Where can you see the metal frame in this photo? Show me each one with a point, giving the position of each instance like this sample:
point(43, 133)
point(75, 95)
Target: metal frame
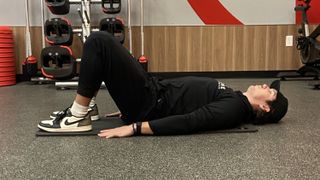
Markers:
point(142, 26)
point(129, 25)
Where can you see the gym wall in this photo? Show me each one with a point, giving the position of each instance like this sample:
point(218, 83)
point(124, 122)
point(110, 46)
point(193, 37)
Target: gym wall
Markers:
point(180, 39)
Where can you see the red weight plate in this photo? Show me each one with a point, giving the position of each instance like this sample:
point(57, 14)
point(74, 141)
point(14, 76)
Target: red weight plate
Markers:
point(6, 60)
point(7, 83)
point(6, 50)
point(7, 64)
point(5, 74)
point(6, 36)
point(6, 55)
point(6, 45)
point(6, 41)
point(3, 60)
point(7, 33)
point(5, 28)
point(8, 78)
point(8, 69)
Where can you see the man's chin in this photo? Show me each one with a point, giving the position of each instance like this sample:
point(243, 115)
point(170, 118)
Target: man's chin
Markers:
point(250, 88)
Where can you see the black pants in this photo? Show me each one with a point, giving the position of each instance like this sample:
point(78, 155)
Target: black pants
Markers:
point(105, 60)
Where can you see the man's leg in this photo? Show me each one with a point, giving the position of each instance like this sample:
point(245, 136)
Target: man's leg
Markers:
point(105, 59)
point(89, 84)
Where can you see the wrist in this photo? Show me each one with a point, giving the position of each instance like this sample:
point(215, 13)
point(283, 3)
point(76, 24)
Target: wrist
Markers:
point(138, 124)
point(136, 128)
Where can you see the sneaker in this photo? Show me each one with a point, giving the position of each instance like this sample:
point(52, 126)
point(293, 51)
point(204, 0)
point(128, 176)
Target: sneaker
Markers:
point(66, 122)
point(94, 114)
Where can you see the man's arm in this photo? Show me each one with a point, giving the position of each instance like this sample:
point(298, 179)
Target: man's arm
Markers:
point(125, 131)
point(216, 115)
point(145, 128)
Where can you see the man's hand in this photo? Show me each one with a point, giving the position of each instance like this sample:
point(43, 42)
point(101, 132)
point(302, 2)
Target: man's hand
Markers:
point(114, 114)
point(123, 131)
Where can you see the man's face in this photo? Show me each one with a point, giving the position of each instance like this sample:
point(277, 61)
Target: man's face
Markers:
point(262, 93)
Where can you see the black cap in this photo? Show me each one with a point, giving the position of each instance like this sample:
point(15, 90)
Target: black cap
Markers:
point(278, 109)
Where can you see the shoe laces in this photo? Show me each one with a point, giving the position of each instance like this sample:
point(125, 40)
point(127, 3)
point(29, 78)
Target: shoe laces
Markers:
point(61, 115)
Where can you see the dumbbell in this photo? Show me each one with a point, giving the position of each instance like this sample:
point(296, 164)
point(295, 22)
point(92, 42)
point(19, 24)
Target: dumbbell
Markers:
point(114, 26)
point(58, 31)
point(58, 7)
point(111, 6)
point(57, 62)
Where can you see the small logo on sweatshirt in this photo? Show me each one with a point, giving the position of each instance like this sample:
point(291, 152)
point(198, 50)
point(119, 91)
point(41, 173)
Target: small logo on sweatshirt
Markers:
point(221, 85)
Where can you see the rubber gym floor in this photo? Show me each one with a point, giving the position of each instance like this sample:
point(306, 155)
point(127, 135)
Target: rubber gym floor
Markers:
point(288, 150)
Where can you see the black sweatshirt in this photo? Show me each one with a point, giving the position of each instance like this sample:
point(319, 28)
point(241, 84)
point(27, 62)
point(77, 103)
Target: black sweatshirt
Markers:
point(192, 104)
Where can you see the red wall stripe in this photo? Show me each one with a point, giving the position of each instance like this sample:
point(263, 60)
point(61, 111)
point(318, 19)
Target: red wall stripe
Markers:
point(213, 12)
point(313, 12)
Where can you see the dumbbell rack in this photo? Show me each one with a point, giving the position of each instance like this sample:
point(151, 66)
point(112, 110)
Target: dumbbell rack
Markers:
point(84, 32)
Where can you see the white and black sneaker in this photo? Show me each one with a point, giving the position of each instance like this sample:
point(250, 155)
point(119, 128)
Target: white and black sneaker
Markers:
point(94, 113)
point(66, 122)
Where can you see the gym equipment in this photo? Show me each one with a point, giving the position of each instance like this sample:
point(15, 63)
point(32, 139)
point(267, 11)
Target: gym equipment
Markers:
point(58, 7)
point(5, 37)
point(3, 45)
point(84, 11)
point(307, 42)
point(57, 62)
point(5, 41)
point(6, 50)
point(113, 122)
point(111, 6)
point(143, 62)
point(7, 60)
point(129, 25)
point(29, 65)
point(142, 59)
point(114, 26)
point(307, 45)
point(6, 55)
point(58, 31)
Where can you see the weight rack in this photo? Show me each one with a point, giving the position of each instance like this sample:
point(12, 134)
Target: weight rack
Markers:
point(84, 13)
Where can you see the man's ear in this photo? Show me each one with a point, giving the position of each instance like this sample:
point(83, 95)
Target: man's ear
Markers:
point(264, 107)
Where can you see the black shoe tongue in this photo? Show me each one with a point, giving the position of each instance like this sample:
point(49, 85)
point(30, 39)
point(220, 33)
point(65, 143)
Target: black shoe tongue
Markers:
point(62, 114)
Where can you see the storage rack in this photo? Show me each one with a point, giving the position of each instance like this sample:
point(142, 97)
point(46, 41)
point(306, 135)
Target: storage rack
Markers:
point(84, 13)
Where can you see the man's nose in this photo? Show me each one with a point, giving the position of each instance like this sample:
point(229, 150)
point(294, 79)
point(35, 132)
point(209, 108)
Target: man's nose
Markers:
point(265, 86)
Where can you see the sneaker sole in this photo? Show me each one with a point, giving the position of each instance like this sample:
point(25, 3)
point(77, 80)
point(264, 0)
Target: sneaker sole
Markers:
point(93, 118)
point(76, 129)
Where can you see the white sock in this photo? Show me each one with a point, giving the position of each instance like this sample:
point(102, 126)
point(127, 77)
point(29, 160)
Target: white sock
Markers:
point(78, 110)
point(92, 102)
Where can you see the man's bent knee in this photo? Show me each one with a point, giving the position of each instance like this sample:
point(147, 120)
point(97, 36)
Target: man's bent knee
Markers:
point(101, 35)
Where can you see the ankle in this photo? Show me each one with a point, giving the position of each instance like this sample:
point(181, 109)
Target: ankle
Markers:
point(78, 109)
